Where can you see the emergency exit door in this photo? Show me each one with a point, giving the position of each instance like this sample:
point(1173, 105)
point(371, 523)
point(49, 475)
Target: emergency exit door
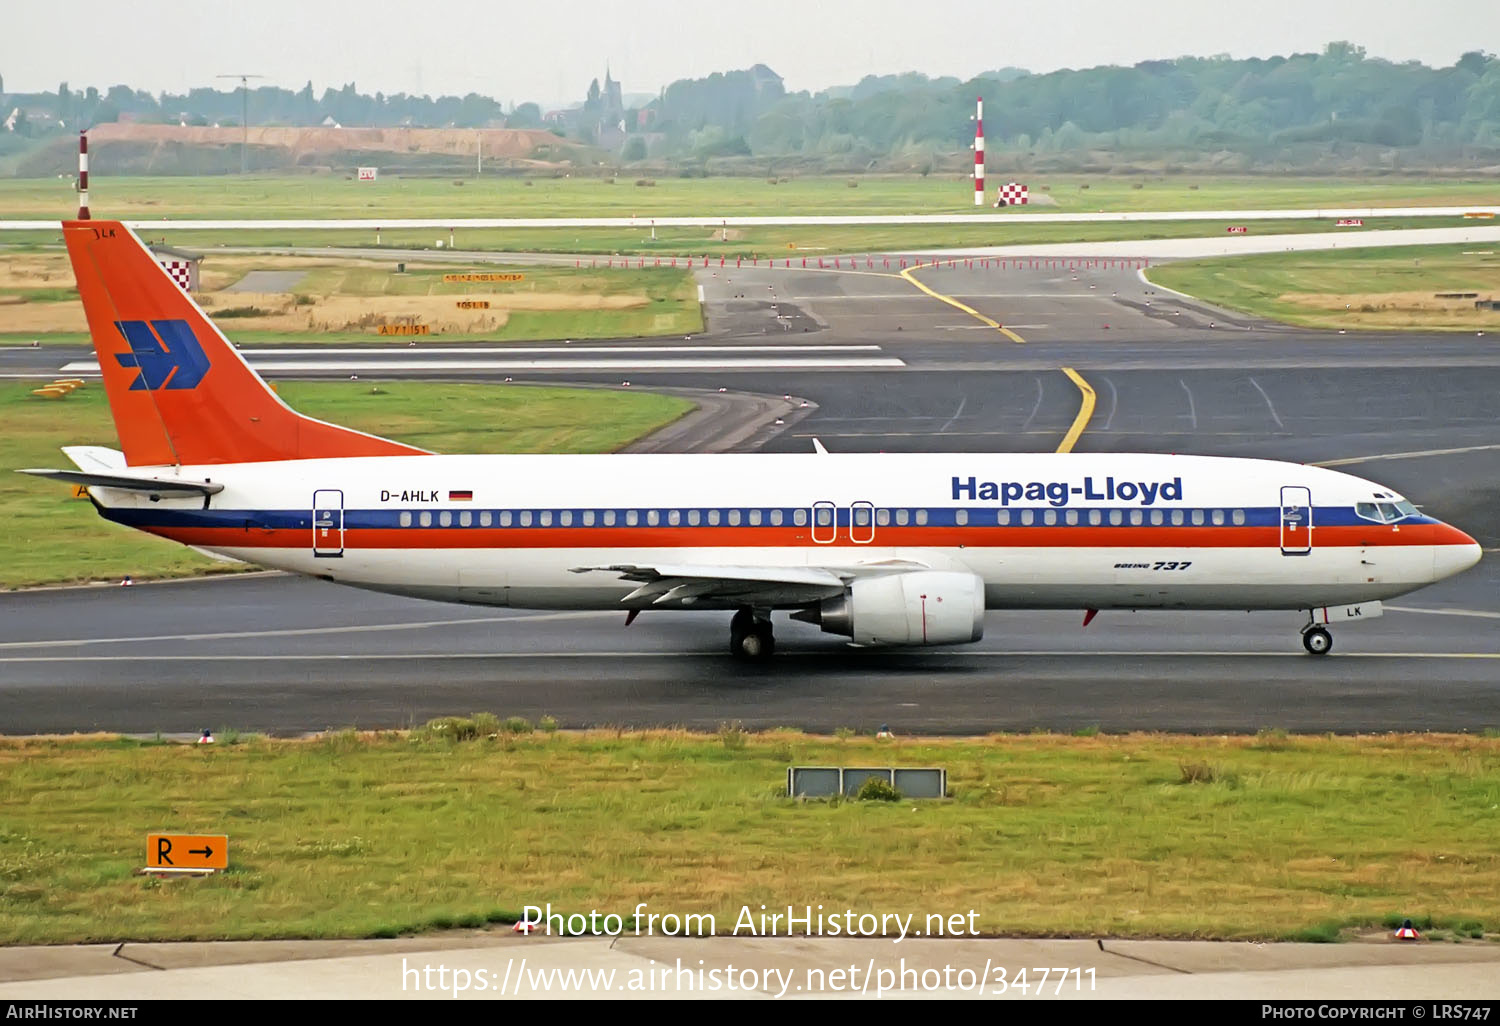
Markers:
point(1296, 520)
point(328, 523)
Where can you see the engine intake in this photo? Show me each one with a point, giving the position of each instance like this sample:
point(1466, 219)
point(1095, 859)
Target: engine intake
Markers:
point(923, 607)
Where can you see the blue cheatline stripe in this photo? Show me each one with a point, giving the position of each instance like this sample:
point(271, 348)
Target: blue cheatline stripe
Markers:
point(941, 516)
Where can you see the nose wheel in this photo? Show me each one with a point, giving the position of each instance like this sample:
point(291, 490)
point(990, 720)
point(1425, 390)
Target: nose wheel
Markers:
point(750, 637)
point(1317, 640)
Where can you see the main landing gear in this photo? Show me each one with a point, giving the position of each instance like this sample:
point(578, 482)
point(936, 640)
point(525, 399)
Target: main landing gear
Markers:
point(1316, 639)
point(750, 636)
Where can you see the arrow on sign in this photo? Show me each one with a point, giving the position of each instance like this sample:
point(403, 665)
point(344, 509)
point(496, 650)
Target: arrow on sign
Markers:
point(205, 851)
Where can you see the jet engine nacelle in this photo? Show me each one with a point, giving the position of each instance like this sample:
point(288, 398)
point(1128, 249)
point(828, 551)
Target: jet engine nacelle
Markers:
point(923, 607)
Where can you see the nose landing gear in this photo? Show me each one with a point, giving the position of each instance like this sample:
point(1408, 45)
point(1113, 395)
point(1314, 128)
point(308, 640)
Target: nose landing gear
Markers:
point(750, 636)
point(1316, 640)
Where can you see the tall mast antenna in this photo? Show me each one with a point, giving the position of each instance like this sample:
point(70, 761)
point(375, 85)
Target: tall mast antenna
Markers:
point(244, 117)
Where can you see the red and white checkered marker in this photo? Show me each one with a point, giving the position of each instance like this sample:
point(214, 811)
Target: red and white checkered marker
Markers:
point(181, 272)
point(524, 927)
point(1407, 932)
point(1014, 194)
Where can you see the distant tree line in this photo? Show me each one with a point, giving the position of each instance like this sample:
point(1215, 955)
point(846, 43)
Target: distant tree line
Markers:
point(1256, 107)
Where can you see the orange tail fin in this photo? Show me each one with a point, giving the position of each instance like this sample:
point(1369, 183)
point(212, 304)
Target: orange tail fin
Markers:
point(179, 392)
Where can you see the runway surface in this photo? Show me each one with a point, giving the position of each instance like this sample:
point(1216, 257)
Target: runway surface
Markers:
point(1170, 374)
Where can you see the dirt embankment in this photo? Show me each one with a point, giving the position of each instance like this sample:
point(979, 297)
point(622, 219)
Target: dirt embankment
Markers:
point(494, 142)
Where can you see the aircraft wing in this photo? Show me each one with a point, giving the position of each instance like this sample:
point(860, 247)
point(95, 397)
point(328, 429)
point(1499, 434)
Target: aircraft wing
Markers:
point(682, 585)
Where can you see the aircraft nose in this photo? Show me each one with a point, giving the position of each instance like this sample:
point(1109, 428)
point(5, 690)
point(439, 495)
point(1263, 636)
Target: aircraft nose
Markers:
point(1454, 553)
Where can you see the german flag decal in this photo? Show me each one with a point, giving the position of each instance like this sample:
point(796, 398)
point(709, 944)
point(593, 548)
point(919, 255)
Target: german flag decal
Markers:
point(461, 496)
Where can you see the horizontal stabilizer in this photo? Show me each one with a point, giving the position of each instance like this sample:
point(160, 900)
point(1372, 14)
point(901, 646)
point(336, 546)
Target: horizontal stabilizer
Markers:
point(173, 486)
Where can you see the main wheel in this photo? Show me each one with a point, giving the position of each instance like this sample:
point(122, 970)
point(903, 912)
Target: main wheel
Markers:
point(1317, 640)
point(750, 638)
point(740, 627)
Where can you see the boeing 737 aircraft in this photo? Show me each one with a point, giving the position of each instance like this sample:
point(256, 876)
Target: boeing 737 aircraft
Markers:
point(886, 549)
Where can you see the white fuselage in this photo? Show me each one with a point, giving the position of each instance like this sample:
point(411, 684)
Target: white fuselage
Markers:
point(1041, 530)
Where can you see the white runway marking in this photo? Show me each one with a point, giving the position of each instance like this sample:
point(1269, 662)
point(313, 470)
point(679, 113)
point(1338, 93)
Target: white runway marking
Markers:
point(716, 651)
point(623, 364)
point(295, 631)
point(1269, 406)
point(1404, 455)
point(1114, 404)
point(1486, 614)
point(1034, 408)
point(962, 402)
point(560, 348)
point(1192, 406)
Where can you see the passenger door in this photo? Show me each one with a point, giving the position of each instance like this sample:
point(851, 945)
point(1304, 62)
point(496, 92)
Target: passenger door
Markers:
point(328, 523)
point(1296, 520)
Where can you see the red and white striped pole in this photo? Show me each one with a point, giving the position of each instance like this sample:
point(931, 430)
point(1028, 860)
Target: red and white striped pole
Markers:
point(83, 176)
point(979, 152)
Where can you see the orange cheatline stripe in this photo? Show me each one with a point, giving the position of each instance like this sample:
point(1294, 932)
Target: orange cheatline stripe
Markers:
point(980, 537)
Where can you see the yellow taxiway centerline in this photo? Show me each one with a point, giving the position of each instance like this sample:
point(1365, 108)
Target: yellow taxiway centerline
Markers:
point(907, 274)
point(1085, 411)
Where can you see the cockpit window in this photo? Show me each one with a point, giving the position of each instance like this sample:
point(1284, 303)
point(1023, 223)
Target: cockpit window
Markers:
point(1385, 512)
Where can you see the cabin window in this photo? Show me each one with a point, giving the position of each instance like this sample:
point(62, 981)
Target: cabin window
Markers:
point(883, 518)
point(425, 519)
point(607, 518)
point(525, 518)
point(1096, 517)
point(694, 517)
point(1003, 518)
point(862, 516)
point(588, 518)
point(823, 515)
point(1197, 518)
point(674, 517)
point(1177, 518)
point(1157, 518)
point(632, 517)
point(1071, 517)
point(465, 519)
point(734, 518)
point(405, 519)
point(1116, 517)
point(1027, 516)
point(544, 518)
point(485, 518)
point(799, 517)
point(755, 518)
point(652, 518)
point(960, 517)
point(505, 518)
point(1049, 517)
point(1218, 518)
point(903, 517)
point(777, 516)
point(921, 517)
point(713, 518)
point(1238, 516)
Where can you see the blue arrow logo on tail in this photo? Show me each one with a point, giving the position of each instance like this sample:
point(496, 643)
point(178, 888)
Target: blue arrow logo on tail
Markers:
point(170, 348)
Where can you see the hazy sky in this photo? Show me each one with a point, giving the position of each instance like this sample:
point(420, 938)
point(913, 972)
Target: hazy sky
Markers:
point(548, 51)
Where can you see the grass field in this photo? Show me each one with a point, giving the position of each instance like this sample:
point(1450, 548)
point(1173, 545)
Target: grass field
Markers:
point(340, 300)
point(1367, 289)
point(332, 195)
point(355, 835)
point(56, 539)
point(780, 241)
